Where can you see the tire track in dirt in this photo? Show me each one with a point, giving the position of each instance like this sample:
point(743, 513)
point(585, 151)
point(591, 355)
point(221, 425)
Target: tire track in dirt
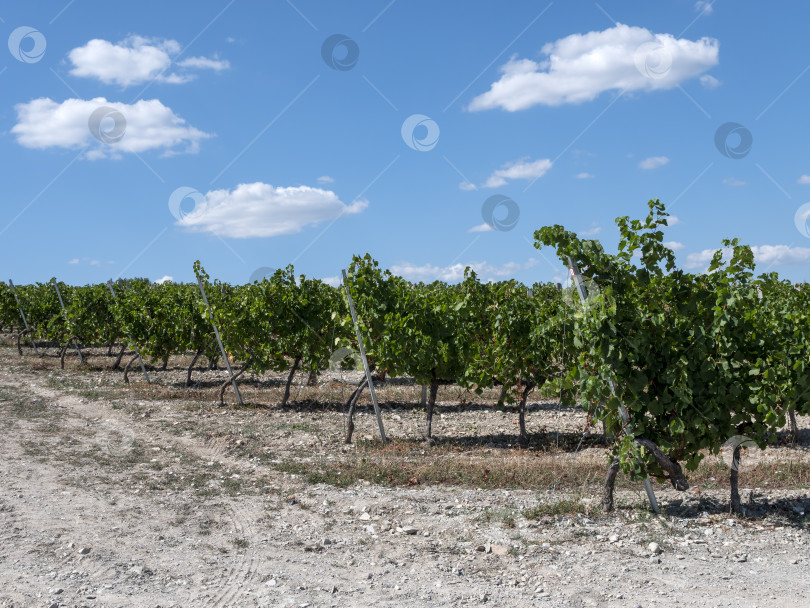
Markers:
point(116, 433)
point(8, 524)
point(40, 527)
point(243, 569)
point(216, 447)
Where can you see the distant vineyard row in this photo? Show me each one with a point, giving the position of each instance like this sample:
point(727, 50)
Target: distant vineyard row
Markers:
point(674, 363)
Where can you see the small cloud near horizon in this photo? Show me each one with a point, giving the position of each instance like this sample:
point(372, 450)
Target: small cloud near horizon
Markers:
point(653, 162)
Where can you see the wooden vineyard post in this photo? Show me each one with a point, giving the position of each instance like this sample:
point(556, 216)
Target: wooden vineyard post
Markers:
point(22, 314)
point(137, 352)
point(359, 335)
point(64, 310)
point(424, 395)
point(221, 347)
point(583, 296)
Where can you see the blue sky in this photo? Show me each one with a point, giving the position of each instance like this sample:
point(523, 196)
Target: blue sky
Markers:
point(137, 138)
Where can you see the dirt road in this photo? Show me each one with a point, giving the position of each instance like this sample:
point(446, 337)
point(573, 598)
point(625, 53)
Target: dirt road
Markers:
point(130, 502)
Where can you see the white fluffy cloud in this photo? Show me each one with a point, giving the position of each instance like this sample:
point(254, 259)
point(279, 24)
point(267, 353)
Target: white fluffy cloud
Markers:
point(135, 60)
point(325, 179)
point(580, 67)
point(709, 82)
point(165, 279)
point(205, 63)
point(334, 281)
point(804, 179)
point(88, 261)
point(701, 259)
point(769, 255)
point(653, 162)
point(481, 228)
point(781, 254)
point(518, 169)
point(262, 210)
point(145, 125)
point(704, 7)
point(455, 272)
point(673, 220)
point(675, 245)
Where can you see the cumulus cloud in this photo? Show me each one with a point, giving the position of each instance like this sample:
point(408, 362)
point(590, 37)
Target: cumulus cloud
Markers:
point(262, 210)
point(781, 254)
point(580, 67)
point(481, 228)
point(335, 281)
point(704, 7)
point(804, 179)
point(136, 60)
point(709, 82)
point(88, 261)
point(165, 279)
point(325, 179)
point(455, 272)
point(675, 245)
point(700, 259)
point(145, 125)
point(770, 255)
point(518, 169)
point(205, 63)
point(673, 220)
point(585, 175)
point(653, 162)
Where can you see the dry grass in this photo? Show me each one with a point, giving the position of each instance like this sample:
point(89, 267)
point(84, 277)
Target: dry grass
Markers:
point(561, 462)
point(406, 463)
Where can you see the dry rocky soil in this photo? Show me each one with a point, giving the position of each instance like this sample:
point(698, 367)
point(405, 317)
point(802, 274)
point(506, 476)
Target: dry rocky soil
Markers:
point(154, 495)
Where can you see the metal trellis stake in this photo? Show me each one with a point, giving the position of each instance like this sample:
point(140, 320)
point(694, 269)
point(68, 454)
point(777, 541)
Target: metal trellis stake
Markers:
point(64, 310)
point(364, 359)
point(221, 347)
point(22, 314)
point(137, 352)
point(583, 296)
